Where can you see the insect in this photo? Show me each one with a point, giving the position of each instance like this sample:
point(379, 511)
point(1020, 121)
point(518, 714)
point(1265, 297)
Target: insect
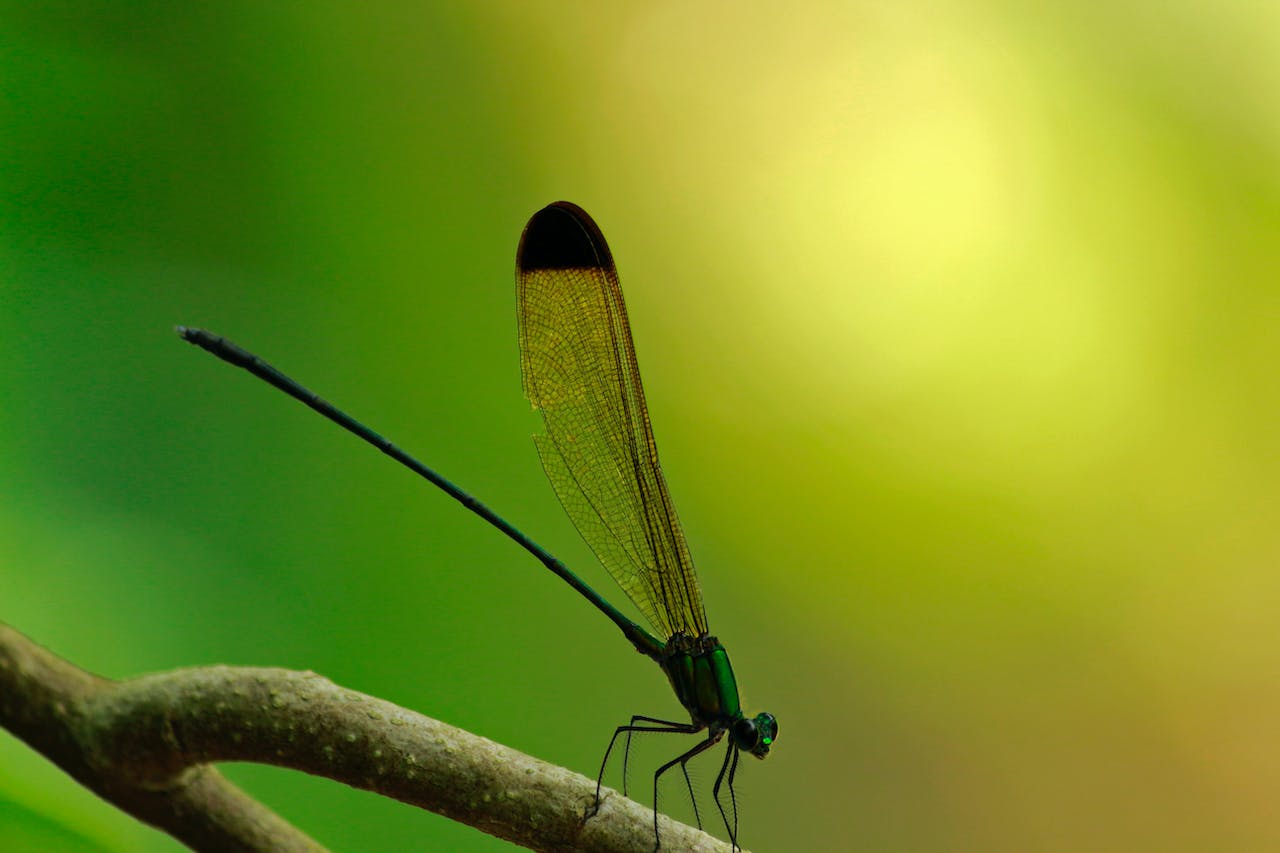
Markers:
point(579, 370)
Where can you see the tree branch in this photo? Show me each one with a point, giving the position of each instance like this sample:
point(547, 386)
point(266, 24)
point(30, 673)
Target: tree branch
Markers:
point(146, 745)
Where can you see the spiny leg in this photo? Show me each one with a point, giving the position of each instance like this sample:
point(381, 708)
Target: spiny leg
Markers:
point(733, 796)
point(732, 767)
point(662, 726)
point(626, 759)
point(715, 791)
point(626, 750)
point(681, 760)
point(684, 768)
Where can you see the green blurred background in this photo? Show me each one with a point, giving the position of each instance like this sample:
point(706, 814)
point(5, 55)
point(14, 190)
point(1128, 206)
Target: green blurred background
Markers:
point(959, 328)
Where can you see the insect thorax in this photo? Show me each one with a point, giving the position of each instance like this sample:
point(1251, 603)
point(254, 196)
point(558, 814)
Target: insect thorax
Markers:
point(699, 671)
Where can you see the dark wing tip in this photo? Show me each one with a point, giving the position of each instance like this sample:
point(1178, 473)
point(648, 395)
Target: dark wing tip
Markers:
point(562, 236)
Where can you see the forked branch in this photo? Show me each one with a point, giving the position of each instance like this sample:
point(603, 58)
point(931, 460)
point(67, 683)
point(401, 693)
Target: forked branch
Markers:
point(147, 745)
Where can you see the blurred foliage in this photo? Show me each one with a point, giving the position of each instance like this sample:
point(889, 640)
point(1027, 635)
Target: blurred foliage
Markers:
point(959, 327)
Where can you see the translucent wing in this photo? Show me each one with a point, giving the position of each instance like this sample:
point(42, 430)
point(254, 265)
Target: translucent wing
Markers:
point(579, 369)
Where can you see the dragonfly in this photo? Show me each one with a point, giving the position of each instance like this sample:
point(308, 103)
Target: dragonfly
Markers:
point(578, 366)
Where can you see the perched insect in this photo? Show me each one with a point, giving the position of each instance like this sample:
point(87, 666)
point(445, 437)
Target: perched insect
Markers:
point(579, 369)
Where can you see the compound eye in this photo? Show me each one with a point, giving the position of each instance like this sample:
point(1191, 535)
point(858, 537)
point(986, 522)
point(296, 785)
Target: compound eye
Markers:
point(768, 724)
point(766, 733)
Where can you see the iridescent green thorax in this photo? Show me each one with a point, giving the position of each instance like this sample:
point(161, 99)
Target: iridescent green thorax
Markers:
point(702, 677)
